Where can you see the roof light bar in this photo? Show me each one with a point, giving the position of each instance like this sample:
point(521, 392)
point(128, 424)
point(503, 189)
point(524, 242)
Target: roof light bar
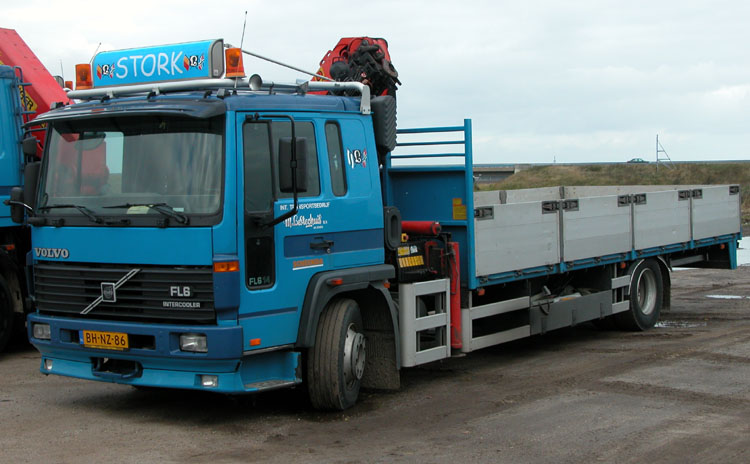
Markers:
point(206, 84)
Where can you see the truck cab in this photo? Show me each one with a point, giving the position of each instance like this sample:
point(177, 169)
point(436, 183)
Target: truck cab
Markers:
point(175, 244)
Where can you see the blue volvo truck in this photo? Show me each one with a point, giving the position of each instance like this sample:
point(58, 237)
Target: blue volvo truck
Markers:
point(219, 233)
point(18, 103)
point(26, 89)
point(14, 239)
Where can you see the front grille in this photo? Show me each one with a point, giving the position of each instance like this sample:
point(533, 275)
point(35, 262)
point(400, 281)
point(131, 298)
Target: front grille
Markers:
point(66, 289)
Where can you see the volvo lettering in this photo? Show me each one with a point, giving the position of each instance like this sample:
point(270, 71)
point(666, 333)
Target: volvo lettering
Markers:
point(51, 253)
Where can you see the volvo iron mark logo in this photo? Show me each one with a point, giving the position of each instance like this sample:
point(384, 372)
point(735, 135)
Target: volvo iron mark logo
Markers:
point(109, 294)
point(51, 252)
point(109, 291)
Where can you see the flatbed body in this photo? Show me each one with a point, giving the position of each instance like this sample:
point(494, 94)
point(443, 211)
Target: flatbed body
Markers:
point(513, 243)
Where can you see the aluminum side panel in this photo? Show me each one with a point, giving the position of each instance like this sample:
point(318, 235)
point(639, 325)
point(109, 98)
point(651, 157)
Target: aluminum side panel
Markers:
point(519, 236)
point(598, 228)
point(717, 213)
point(662, 220)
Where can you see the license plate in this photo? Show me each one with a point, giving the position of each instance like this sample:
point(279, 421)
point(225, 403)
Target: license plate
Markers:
point(104, 340)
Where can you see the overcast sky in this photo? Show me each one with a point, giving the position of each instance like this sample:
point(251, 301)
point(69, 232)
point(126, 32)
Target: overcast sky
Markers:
point(572, 81)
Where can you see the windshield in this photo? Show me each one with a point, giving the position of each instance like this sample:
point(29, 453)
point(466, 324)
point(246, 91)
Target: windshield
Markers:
point(137, 167)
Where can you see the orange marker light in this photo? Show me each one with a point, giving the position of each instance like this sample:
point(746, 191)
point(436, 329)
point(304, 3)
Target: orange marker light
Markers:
point(68, 84)
point(335, 282)
point(235, 68)
point(254, 341)
point(480, 291)
point(227, 266)
point(84, 79)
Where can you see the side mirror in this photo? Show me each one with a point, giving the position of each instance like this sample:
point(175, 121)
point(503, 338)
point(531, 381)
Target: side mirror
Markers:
point(29, 146)
point(287, 166)
point(30, 182)
point(16, 202)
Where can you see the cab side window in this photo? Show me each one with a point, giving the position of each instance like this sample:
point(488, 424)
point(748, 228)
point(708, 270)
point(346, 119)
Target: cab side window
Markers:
point(258, 173)
point(336, 159)
point(259, 182)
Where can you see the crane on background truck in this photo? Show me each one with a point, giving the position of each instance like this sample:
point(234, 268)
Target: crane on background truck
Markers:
point(26, 89)
point(194, 228)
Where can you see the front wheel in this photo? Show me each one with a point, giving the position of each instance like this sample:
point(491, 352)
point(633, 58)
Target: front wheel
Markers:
point(646, 296)
point(337, 361)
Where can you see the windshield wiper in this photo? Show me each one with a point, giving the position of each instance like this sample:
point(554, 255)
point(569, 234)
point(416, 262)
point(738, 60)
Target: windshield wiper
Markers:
point(85, 211)
point(162, 208)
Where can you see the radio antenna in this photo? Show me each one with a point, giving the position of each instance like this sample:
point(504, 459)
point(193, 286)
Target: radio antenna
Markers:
point(95, 52)
point(244, 23)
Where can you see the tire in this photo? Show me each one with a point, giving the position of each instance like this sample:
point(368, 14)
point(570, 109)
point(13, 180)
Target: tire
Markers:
point(336, 363)
point(6, 314)
point(646, 297)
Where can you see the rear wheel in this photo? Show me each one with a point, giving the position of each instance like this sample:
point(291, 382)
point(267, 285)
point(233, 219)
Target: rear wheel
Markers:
point(337, 361)
point(6, 314)
point(646, 296)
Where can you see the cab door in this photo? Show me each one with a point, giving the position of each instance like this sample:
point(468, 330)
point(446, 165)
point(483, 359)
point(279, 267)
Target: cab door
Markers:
point(272, 293)
point(338, 224)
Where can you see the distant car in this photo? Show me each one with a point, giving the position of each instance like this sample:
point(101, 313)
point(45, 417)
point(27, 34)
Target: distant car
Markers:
point(638, 160)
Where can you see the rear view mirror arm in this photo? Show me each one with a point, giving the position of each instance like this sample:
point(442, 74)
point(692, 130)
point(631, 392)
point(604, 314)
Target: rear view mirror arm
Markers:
point(18, 203)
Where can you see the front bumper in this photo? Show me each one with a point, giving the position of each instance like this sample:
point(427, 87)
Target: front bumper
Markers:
point(156, 360)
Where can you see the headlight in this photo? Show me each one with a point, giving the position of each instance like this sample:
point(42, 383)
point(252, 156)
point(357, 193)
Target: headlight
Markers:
point(41, 331)
point(195, 343)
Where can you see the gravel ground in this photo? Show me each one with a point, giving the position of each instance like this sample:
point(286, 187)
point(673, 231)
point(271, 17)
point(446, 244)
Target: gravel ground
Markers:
point(677, 393)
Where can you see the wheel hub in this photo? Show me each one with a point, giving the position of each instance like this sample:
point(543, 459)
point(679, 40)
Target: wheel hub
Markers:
point(354, 355)
point(647, 291)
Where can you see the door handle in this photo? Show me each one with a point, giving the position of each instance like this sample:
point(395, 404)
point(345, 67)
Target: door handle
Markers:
point(322, 245)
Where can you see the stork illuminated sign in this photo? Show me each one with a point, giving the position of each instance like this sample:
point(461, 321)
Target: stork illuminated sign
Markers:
point(162, 63)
